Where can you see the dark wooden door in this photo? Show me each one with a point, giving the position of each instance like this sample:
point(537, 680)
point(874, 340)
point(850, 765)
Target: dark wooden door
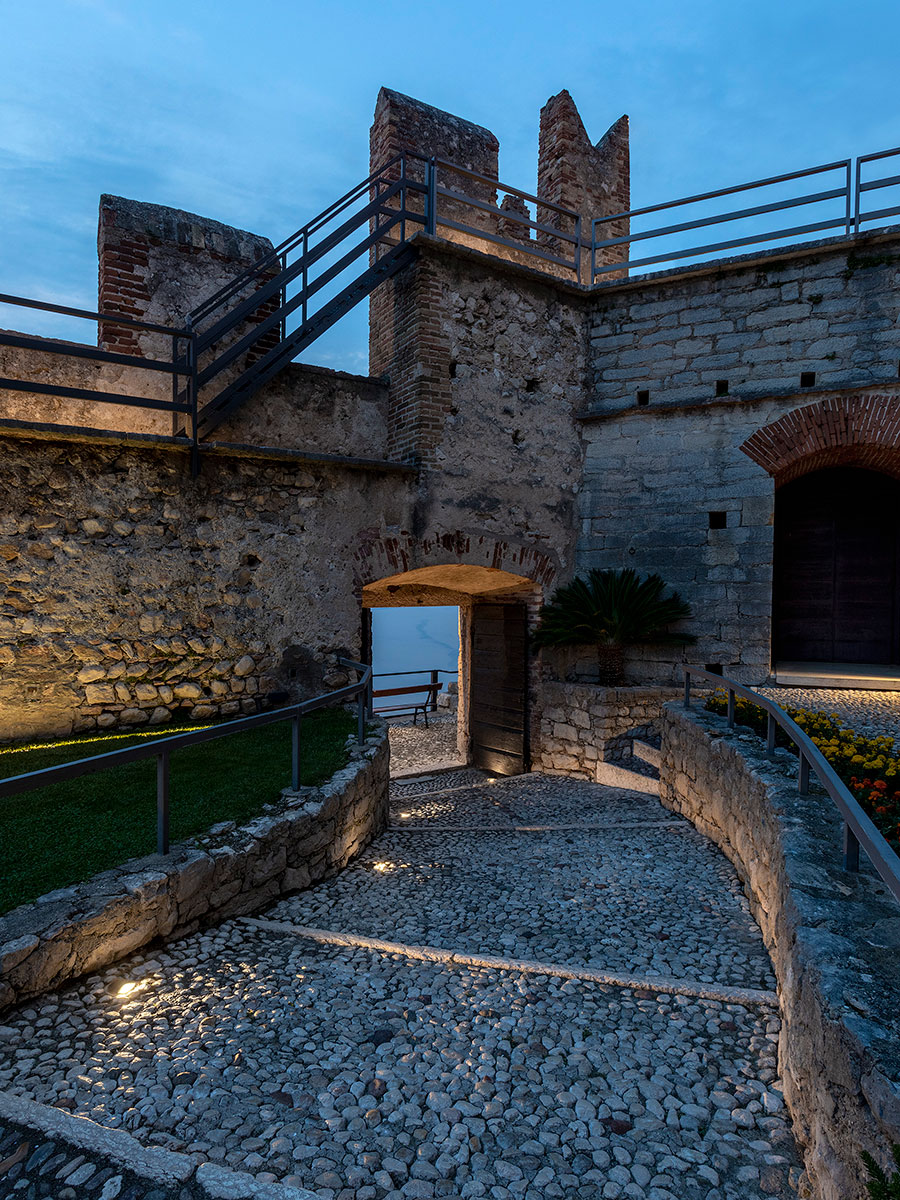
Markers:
point(499, 673)
point(836, 568)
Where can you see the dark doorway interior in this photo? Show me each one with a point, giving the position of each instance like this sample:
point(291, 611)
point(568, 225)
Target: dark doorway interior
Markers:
point(836, 568)
point(499, 717)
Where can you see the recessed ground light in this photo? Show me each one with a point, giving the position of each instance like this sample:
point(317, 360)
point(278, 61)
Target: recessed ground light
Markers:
point(721, 387)
point(643, 396)
point(807, 379)
point(718, 520)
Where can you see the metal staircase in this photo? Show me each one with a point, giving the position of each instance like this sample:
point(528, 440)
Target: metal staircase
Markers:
point(261, 320)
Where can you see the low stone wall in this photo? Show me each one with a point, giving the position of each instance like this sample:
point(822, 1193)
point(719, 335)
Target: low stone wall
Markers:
point(303, 837)
point(583, 724)
point(833, 937)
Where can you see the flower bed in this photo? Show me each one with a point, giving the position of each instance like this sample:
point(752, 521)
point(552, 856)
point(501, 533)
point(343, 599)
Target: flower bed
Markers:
point(868, 766)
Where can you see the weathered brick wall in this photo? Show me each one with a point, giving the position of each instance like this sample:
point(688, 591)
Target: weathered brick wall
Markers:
point(157, 263)
point(134, 593)
point(755, 327)
point(593, 180)
point(832, 935)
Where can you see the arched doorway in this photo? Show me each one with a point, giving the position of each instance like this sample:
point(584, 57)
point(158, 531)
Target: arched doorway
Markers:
point(494, 667)
point(836, 586)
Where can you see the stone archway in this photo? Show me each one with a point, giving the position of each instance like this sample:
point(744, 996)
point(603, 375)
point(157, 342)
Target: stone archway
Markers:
point(497, 678)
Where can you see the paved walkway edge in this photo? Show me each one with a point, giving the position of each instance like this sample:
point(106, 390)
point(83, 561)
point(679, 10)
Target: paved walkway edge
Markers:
point(678, 823)
point(658, 984)
point(156, 1165)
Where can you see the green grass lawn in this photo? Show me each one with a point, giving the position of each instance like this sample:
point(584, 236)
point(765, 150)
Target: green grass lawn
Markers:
point(64, 833)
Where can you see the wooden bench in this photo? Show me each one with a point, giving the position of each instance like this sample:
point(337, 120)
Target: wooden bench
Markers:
point(429, 701)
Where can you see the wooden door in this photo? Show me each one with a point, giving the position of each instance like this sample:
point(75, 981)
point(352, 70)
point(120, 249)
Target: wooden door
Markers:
point(499, 682)
point(836, 568)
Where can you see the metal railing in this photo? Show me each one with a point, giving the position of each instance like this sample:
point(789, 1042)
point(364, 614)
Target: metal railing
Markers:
point(842, 211)
point(859, 830)
point(162, 748)
point(428, 691)
point(233, 343)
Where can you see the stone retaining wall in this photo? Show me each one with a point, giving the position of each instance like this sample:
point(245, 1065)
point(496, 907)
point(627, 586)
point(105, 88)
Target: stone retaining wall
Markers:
point(300, 839)
point(833, 938)
point(583, 724)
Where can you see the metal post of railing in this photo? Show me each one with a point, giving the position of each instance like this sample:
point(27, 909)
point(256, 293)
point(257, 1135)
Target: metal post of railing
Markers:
point(370, 694)
point(304, 279)
point(848, 213)
point(295, 751)
point(162, 803)
point(431, 198)
point(176, 386)
point(803, 775)
point(435, 684)
point(730, 708)
point(851, 849)
point(194, 402)
point(770, 735)
point(402, 197)
point(282, 328)
point(687, 689)
point(857, 205)
point(361, 717)
point(578, 248)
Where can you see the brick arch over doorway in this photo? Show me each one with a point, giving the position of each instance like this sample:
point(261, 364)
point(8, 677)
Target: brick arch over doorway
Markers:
point(378, 557)
point(859, 431)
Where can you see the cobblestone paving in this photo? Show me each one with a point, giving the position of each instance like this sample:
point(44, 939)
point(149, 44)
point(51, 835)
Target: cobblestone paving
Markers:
point(875, 714)
point(415, 748)
point(370, 1075)
point(35, 1167)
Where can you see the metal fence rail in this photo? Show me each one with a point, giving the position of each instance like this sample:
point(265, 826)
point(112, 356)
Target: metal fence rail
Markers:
point(233, 343)
point(428, 691)
point(859, 829)
point(162, 748)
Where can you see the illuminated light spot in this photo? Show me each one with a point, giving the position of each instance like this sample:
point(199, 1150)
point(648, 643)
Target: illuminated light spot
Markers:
point(132, 986)
point(383, 866)
point(405, 815)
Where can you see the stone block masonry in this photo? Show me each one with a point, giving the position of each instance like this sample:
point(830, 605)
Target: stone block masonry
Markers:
point(301, 838)
point(753, 327)
point(833, 937)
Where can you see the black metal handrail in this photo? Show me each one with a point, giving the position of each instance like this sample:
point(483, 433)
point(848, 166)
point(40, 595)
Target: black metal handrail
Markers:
point(859, 829)
point(162, 748)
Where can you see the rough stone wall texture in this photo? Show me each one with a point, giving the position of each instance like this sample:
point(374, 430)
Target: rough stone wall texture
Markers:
point(592, 180)
point(651, 481)
point(133, 592)
point(302, 838)
point(582, 725)
point(754, 326)
point(833, 937)
point(158, 263)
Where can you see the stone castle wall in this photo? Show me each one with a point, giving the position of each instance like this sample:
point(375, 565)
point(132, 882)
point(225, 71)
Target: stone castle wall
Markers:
point(832, 935)
point(135, 594)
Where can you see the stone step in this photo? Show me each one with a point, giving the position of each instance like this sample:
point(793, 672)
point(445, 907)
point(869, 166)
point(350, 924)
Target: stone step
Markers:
point(620, 777)
point(647, 753)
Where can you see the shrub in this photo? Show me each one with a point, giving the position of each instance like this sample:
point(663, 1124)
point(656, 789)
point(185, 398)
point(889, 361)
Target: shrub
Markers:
point(868, 766)
point(879, 1186)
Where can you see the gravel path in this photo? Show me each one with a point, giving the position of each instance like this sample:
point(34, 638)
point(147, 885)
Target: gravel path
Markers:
point(875, 714)
point(369, 1074)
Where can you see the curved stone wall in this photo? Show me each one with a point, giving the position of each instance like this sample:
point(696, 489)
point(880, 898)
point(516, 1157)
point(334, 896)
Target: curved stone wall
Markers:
point(833, 938)
point(232, 870)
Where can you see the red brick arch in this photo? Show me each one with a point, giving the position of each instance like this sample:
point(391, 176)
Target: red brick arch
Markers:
point(861, 430)
point(379, 557)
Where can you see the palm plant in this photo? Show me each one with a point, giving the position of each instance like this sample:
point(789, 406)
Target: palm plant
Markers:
point(879, 1185)
point(612, 610)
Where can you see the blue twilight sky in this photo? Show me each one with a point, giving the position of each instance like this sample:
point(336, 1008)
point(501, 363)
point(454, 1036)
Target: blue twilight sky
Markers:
point(257, 113)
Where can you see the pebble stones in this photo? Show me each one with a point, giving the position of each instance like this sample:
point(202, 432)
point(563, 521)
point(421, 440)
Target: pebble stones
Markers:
point(364, 1075)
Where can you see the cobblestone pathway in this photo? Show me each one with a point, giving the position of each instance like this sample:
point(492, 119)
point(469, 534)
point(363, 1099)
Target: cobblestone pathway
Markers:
point(533, 988)
point(876, 714)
